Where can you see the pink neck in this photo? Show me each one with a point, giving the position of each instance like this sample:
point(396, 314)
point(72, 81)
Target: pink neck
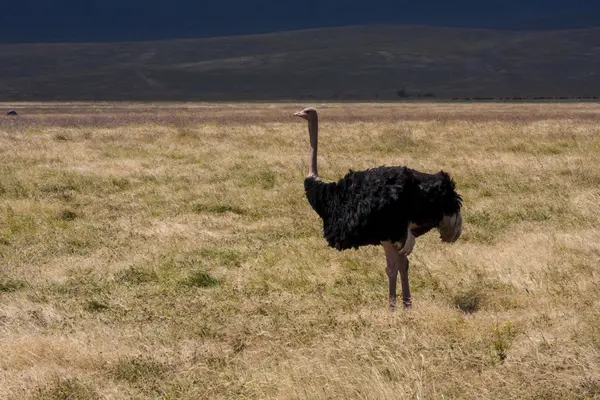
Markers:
point(313, 132)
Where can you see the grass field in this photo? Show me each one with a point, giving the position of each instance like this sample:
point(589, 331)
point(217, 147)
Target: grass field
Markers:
point(166, 251)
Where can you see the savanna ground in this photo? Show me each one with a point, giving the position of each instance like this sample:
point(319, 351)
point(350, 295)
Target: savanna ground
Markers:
point(167, 251)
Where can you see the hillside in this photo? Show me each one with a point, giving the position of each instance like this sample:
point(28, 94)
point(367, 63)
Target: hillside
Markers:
point(362, 62)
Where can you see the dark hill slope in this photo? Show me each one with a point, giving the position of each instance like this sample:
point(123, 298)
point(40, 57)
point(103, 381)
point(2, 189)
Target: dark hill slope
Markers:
point(343, 63)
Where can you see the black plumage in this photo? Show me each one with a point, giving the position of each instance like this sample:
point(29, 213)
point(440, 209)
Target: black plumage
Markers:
point(388, 206)
point(369, 207)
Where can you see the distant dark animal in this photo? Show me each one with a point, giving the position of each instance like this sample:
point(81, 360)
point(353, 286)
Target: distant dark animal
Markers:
point(388, 206)
point(11, 112)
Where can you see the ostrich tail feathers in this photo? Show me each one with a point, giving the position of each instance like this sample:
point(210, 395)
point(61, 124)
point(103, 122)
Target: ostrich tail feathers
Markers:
point(451, 227)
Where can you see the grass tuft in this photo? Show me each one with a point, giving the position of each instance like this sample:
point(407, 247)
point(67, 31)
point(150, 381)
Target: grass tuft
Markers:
point(136, 275)
point(120, 183)
point(502, 339)
point(62, 137)
point(201, 279)
point(217, 208)
point(67, 215)
point(95, 306)
point(138, 369)
point(469, 301)
point(65, 389)
point(8, 285)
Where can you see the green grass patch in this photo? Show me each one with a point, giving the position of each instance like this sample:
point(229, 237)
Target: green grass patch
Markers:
point(136, 275)
point(138, 369)
point(67, 215)
point(8, 285)
point(502, 338)
point(469, 301)
point(95, 306)
point(201, 279)
point(220, 255)
point(219, 208)
point(65, 389)
point(85, 282)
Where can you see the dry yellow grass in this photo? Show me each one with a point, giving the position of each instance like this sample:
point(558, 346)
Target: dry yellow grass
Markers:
point(167, 251)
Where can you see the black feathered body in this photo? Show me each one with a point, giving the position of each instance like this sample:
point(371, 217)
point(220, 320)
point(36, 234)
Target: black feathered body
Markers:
point(378, 204)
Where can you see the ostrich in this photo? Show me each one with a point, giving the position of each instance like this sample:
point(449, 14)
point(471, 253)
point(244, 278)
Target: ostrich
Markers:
point(388, 206)
point(11, 112)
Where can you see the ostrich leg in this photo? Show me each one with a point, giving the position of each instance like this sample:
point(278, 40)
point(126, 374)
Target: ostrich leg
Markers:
point(397, 262)
point(403, 268)
point(402, 258)
point(392, 273)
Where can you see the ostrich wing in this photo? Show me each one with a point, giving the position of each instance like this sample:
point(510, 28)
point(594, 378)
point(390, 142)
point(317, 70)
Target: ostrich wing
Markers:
point(368, 207)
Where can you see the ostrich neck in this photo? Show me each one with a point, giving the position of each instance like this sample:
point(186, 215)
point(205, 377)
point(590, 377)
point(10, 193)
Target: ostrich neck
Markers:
point(313, 132)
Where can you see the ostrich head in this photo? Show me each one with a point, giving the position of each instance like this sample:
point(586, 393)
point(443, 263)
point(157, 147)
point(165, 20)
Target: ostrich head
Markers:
point(309, 114)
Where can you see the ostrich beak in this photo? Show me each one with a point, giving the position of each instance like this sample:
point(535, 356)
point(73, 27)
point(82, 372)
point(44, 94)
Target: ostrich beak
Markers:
point(300, 114)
